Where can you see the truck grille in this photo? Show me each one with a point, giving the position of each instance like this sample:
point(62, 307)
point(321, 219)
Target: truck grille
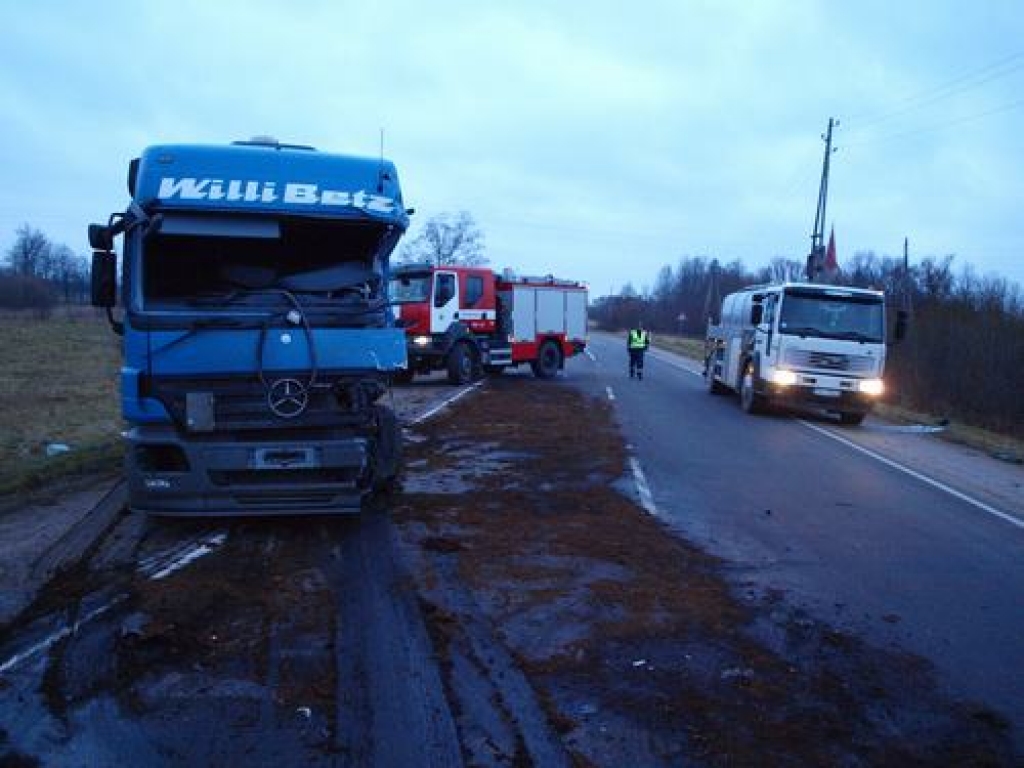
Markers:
point(283, 477)
point(241, 404)
point(802, 359)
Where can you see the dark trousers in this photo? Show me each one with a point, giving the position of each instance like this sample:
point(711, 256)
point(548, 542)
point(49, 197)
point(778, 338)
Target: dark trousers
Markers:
point(636, 361)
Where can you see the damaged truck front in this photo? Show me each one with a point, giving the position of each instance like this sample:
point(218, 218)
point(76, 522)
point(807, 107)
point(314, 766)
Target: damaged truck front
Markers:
point(258, 340)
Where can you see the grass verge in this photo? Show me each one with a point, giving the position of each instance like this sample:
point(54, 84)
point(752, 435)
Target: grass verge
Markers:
point(58, 385)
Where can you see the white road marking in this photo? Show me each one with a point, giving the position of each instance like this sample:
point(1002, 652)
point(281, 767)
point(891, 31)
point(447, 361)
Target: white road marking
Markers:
point(437, 408)
point(190, 555)
point(1007, 518)
point(674, 364)
point(183, 551)
point(646, 500)
point(588, 353)
point(611, 395)
point(48, 642)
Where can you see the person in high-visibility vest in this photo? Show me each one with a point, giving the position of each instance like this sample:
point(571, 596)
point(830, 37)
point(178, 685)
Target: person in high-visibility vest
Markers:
point(637, 342)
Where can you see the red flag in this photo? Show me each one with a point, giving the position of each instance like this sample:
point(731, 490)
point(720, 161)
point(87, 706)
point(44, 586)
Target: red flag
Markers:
point(831, 265)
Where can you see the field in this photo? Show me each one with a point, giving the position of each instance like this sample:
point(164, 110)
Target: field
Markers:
point(58, 385)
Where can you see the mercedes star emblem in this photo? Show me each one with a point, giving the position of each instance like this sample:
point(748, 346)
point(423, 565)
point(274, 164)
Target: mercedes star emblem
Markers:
point(287, 398)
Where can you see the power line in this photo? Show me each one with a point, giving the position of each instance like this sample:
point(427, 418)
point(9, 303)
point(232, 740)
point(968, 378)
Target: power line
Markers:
point(932, 128)
point(960, 84)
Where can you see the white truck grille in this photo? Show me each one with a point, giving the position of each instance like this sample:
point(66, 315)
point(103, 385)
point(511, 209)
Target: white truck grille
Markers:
point(803, 359)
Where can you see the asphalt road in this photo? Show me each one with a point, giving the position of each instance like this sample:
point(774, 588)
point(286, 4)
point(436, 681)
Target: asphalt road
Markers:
point(851, 540)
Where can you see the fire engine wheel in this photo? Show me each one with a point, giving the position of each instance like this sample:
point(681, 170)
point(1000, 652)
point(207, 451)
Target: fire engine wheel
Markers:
point(549, 360)
point(460, 364)
point(750, 401)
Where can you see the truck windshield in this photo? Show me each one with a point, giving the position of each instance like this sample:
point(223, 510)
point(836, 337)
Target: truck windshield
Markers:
point(409, 289)
point(328, 265)
point(851, 316)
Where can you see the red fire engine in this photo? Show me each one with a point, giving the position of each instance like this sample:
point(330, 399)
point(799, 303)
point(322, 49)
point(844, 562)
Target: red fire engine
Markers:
point(470, 320)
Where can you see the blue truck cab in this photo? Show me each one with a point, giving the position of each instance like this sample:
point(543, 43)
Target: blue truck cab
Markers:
point(258, 339)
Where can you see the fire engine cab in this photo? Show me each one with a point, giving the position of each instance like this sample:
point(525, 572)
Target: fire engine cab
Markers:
point(470, 320)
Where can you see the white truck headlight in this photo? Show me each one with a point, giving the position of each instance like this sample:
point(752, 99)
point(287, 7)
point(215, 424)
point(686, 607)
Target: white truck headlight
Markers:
point(421, 341)
point(871, 386)
point(783, 377)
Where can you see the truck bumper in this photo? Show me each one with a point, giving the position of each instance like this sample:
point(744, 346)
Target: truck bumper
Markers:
point(827, 398)
point(171, 476)
point(426, 357)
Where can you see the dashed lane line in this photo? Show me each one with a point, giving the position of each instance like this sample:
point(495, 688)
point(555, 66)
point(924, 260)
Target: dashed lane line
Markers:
point(646, 500)
point(441, 406)
point(200, 549)
point(611, 394)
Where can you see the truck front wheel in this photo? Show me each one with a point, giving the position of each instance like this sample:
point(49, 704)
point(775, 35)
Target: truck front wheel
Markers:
point(549, 360)
point(460, 364)
point(714, 386)
point(750, 400)
point(387, 450)
point(850, 418)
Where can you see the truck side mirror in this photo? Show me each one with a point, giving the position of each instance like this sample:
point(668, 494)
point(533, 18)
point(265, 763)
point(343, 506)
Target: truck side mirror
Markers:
point(133, 175)
point(100, 238)
point(756, 314)
point(104, 279)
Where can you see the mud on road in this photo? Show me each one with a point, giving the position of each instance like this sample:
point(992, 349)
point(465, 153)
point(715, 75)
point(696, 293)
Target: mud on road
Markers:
point(633, 645)
point(509, 605)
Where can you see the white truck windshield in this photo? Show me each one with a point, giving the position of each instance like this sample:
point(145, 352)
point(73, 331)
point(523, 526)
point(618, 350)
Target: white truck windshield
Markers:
point(854, 317)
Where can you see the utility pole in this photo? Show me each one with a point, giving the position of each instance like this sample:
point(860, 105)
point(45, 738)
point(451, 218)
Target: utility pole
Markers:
point(905, 282)
point(816, 258)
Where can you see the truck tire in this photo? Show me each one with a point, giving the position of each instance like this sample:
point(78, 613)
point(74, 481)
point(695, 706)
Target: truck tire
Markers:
point(460, 364)
point(750, 401)
point(714, 386)
point(548, 362)
point(851, 419)
point(387, 451)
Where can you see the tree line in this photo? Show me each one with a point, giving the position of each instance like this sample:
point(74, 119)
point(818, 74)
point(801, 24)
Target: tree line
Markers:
point(39, 273)
point(963, 354)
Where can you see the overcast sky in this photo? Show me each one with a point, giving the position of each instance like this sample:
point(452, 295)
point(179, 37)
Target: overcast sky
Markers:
point(596, 141)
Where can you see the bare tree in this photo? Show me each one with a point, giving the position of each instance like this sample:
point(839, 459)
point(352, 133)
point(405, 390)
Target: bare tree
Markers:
point(447, 239)
point(30, 254)
point(68, 272)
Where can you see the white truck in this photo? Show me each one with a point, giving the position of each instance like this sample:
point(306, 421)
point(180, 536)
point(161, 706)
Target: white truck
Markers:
point(801, 344)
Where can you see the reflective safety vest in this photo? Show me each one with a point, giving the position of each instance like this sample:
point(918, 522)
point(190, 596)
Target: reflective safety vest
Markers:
point(637, 339)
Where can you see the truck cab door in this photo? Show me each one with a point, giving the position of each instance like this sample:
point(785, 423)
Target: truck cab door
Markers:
point(444, 308)
point(765, 336)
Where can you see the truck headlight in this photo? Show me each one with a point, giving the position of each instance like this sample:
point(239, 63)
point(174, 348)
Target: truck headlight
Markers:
point(421, 341)
point(783, 377)
point(873, 387)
